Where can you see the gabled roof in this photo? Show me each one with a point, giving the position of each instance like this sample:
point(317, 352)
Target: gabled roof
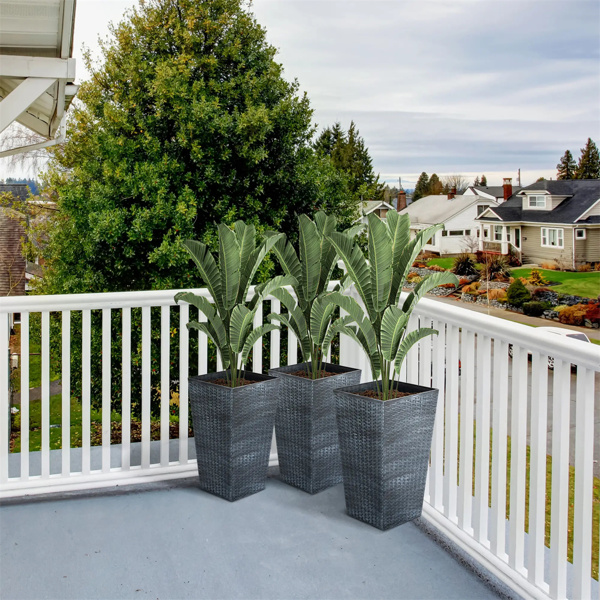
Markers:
point(370, 205)
point(496, 191)
point(580, 195)
point(438, 209)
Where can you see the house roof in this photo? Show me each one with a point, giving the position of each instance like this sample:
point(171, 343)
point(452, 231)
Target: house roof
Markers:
point(438, 209)
point(580, 194)
point(370, 205)
point(497, 191)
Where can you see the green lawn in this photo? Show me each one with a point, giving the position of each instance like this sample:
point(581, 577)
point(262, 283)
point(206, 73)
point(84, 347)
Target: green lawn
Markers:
point(446, 263)
point(578, 284)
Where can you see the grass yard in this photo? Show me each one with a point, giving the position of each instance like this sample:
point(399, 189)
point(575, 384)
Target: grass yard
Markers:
point(445, 263)
point(575, 283)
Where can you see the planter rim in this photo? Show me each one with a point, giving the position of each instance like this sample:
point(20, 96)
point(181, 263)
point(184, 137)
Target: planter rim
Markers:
point(401, 385)
point(336, 370)
point(250, 375)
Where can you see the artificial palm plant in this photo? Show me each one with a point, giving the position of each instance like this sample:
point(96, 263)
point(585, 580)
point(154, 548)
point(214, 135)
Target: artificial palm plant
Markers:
point(381, 324)
point(311, 317)
point(230, 315)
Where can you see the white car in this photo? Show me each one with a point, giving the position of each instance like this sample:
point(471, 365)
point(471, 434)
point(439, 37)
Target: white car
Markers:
point(570, 333)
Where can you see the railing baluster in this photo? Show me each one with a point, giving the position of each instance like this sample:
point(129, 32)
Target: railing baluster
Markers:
point(275, 353)
point(257, 348)
point(559, 518)
point(467, 387)
point(425, 358)
point(482, 450)
point(4, 397)
point(66, 393)
point(499, 448)
point(86, 342)
point(126, 388)
point(106, 391)
point(451, 450)
point(436, 475)
point(45, 424)
point(411, 363)
point(165, 383)
point(584, 464)
point(202, 348)
point(537, 476)
point(25, 395)
point(292, 348)
point(518, 456)
point(184, 359)
point(146, 352)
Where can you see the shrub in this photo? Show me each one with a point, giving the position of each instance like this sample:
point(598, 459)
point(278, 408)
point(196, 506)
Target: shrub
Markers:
point(513, 258)
point(586, 268)
point(436, 268)
point(517, 293)
point(447, 285)
point(533, 308)
point(471, 288)
point(464, 264)
point(495, 266)
point(573, 315)
point(537, 278)
point(419, 265)
point(593, 312)
point(549, 266)
point(413, 277)
point(497, 294)
point(463, 282)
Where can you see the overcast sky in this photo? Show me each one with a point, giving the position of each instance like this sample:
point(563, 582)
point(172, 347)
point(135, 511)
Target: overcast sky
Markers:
point(450, 86)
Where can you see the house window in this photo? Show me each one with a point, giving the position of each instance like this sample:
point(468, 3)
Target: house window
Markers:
point(536, 201)
point(518, 238)
point(444, 233)
point(432, 241)
point(456, 232)
point(552, 238)
point(486, 232)
point(467, 232)
point(580, 234)
point(481, 208)
point(498, 233)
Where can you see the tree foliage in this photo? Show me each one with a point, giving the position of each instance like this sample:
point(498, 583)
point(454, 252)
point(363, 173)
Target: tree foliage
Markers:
point(566, 167)
point(350, 156)
point(483, 180)
point(457, 182)
point(422, 187)
point(589, 162)
point(435, 186)
point(185, 122)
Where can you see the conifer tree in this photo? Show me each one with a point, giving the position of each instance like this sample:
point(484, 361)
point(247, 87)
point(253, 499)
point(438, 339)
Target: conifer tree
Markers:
point(483, 180)
point(589, 162)
point(477, 182)
point(566, 167)
point(422, 187)
point(435, 186)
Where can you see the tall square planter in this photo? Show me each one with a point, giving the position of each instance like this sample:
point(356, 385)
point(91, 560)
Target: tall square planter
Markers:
point(385, 450)
point(233, 430)
point(306, 429)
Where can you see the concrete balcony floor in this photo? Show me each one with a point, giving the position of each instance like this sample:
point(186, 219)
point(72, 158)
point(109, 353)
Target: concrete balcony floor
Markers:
point(172, 540)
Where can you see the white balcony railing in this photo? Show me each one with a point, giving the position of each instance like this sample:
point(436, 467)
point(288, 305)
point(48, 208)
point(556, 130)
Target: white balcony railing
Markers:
point(510, 441)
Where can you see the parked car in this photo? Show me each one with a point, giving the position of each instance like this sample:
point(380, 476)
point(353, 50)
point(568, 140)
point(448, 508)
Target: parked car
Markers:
point(570, 333)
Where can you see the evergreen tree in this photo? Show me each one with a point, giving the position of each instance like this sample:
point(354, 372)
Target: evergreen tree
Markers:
point(422, 187)
point(435, 186)
point(566, 167)
point(349, 155)
point(476, 182)
point(186, 122)
point(589, 162)
point(483, 180)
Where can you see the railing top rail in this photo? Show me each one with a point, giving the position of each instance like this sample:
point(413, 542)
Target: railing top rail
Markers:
point(533, 339)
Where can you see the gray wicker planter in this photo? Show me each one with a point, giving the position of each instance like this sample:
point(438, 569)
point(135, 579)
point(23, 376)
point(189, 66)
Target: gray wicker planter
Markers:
point(385, 452)
point(305, 427)
point(233, 429)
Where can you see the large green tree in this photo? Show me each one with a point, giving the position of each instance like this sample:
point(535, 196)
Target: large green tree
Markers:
point(185, 122)
point(589, 162)
point(566, 167)
point(422, 187)
point(350, 156)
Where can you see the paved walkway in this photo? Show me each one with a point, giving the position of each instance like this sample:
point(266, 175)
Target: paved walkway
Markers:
point(516, 317)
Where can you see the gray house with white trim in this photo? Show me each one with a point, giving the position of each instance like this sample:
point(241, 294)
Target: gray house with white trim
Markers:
point(547, 221)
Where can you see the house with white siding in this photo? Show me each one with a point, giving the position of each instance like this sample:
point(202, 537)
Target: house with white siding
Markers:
point(456, 212)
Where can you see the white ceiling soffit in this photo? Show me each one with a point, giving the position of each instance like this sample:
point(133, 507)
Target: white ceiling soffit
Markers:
point(36, 68)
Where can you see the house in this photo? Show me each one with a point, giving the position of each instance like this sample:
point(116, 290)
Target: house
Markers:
point(547, 221)
point(457, 212)
point(12, 262)
point(380, 208)
point(500, 193)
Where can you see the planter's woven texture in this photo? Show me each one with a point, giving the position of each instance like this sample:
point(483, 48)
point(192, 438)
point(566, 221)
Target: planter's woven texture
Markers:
point(385, 452)
point(306, 429)
point(233, 429)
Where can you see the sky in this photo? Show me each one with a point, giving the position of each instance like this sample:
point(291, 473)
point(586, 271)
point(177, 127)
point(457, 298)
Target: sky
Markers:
point(447, 86)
